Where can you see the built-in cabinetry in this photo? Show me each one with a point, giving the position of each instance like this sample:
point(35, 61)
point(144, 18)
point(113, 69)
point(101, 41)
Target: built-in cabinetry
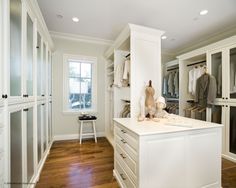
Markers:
point(25, 88)
point(220, 60)
point(142, 47)
point(150, 154)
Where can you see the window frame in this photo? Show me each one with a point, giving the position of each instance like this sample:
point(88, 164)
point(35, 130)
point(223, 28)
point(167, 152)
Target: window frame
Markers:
point(93, 60)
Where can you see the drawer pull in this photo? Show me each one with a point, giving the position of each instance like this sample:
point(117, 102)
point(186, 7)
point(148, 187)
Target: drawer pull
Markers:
point(122, 155)
point(123, 131)
point(124, 142)
point(122, 176)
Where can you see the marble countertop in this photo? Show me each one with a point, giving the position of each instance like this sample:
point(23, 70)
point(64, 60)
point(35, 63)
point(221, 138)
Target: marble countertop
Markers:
point(173, 123)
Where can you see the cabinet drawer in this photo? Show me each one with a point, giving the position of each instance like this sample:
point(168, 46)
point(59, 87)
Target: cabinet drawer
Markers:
point(124, 177)
point(126, 147)
point(127, 136)
point(123, 156)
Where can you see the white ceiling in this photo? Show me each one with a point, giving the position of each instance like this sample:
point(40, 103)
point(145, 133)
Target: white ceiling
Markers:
point(180, 19)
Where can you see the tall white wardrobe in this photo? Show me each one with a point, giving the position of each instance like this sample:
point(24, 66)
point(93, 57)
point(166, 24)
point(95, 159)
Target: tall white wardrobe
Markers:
point(142, 46)
point(25, 88)
point(220, 60)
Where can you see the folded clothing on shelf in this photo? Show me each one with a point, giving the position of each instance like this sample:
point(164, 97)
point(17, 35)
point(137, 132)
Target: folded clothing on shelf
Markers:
point(87, 117)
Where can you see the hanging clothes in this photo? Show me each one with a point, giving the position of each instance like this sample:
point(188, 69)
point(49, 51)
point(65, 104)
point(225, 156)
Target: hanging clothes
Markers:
point(219, 80)
point(171, 84)
point(126, 73)
point(165, 85)
point(176, 84)
point(118, 75)
point(205, 90)
point(194, 74)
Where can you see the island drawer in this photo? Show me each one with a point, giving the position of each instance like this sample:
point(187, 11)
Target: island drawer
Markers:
point(124, 177)
point(127, 136)
point(123, 156)
point(126, 147)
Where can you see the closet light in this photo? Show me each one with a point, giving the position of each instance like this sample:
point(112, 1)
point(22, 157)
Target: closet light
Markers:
point(203, 12)
point(164, 37)
point(75, 19)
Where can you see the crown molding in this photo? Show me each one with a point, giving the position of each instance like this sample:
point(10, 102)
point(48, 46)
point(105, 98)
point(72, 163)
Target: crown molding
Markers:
point(80, 38)
point(221, 35)
point(33, 4)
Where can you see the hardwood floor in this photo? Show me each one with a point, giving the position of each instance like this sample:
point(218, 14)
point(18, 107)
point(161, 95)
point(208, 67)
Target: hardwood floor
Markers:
point(90, 165)
point(72, 165)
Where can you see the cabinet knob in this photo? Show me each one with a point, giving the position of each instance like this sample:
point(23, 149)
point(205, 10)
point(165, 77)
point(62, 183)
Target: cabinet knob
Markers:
point(122, 155)
point(26, 110)
point(226, 105)
point(226, 98)
point(42, 95)
point(43, 104)
point(122, 176)
point(223, 98)
point(4, 96)
point(123, 131)
point(124, 142)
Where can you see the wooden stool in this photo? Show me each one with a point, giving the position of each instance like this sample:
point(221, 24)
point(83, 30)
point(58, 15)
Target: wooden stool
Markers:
point(81, 134)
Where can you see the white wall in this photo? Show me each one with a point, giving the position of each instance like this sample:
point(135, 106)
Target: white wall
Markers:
point(65, 126)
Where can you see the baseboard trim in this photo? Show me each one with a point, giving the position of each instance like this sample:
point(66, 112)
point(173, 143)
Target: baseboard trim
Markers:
point(36, 177)
point(75, 136)
point(228, 158)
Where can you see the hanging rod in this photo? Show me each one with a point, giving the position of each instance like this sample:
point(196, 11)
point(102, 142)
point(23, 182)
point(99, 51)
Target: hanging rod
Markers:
point(196, 63)
point(172, 69)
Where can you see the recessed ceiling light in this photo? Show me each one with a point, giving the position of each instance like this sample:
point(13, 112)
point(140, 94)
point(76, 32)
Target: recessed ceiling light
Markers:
point(164, 37)
point(75, 19)
point(59, 16)
point(203, 12)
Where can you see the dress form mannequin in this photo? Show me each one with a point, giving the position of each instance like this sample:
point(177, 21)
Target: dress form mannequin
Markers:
point(149, 101)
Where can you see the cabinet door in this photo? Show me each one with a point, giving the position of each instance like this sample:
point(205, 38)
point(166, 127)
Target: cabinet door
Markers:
point(231, 131)
point(232, 73)
point(44, 126)
point(30, 143)
point(1, 54)
point(216, 70)
point(15, 47)
point(49, 74)
point(50, 122)
point(43, 73)
point(29, 58)
point(218, 115)
point(39, 62)
point(39, 132)
point(16, 148)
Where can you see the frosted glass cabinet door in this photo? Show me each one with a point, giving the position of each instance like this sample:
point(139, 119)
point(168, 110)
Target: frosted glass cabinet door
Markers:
point(232, 130)
point(216, 71)
point(39, 132)
point(16, 149)
point(29, 78)
point(232, 54)
point(39, 53)
point(44, 70)
point(30, 144)
point(15, 47)
point(49, 122)
point(44, 127)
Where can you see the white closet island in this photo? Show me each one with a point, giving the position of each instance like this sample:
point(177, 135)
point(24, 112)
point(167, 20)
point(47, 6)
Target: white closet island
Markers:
point(175, 152)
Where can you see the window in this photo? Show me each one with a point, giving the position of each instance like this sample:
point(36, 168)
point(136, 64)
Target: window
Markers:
point(80, 88)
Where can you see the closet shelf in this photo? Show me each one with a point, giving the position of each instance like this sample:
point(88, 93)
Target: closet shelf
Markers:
point(110, 66)
point(172, 99)
point(110, 73)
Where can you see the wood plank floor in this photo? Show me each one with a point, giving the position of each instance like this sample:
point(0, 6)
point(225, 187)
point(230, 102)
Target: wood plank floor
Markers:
point(90, 165)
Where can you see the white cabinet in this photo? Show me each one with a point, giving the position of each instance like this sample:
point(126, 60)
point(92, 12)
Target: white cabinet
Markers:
point(142, 45)
point(23, 74)
point(149, 154)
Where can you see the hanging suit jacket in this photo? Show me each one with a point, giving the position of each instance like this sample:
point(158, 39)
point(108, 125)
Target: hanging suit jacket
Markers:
point(205, 90)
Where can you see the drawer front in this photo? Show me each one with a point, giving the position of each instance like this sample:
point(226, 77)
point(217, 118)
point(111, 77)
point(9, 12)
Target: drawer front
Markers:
point(123, 156)
point(127, 136)
point(124, 177)
point(126, 147)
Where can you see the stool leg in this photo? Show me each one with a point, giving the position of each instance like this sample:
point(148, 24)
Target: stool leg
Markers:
point(81, 132)
point(94, 131)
